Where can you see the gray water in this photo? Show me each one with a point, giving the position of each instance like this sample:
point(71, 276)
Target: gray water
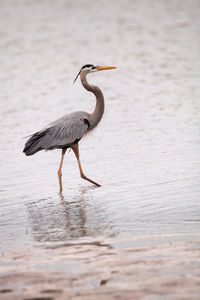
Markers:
point(146, 150)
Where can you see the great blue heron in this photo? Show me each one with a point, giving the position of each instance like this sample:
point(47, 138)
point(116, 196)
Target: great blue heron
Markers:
point(67, 131)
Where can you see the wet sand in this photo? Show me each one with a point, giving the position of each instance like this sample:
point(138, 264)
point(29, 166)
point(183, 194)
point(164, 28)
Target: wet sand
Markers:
point(96, 269)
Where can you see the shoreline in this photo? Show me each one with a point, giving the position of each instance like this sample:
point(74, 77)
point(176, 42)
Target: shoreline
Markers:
point(94, 268)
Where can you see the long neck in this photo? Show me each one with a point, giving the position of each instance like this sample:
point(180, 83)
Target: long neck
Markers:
point(95, 117)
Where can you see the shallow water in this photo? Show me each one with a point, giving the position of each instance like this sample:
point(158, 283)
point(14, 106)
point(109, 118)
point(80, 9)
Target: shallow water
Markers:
point(145, 152)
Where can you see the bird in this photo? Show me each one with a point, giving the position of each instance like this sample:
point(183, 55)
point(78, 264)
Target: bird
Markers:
point(67, 131)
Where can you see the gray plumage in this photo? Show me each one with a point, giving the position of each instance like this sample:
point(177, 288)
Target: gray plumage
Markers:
point(62, 133)
point(67, 131)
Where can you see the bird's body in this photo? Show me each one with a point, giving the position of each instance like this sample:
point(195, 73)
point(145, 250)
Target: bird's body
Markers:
point(60, 134)
point(68, 130)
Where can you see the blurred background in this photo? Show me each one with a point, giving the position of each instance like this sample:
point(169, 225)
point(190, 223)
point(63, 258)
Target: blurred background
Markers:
point(146, 150)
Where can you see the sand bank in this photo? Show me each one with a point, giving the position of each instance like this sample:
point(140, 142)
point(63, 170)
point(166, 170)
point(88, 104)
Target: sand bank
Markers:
point(96, 270)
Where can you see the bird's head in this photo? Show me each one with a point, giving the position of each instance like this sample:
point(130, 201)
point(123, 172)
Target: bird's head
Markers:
point(91, 68)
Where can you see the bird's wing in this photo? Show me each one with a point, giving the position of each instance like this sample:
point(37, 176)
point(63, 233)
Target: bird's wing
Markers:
point(63, 132)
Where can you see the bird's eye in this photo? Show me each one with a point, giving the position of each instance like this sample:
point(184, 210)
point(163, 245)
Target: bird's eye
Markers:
point(93, 67)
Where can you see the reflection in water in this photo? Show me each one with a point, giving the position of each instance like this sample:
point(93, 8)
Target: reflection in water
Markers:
point(57, 220)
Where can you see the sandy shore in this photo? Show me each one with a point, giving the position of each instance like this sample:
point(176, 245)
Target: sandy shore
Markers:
point(95, 269)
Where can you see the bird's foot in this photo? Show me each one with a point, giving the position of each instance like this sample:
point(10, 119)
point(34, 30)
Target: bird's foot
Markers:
point(61, 195)
point(90, 180)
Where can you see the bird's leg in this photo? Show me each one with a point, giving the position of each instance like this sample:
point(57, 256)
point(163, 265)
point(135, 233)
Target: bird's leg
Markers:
point(60, 170)
point(76, 152)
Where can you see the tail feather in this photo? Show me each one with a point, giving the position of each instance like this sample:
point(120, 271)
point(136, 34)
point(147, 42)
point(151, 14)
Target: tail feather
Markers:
point(33, 144)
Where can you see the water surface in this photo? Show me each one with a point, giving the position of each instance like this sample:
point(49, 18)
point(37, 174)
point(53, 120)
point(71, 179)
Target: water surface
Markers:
point(145, 152)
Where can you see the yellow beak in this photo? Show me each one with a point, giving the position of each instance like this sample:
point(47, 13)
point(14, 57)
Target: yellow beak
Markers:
point(100, 68)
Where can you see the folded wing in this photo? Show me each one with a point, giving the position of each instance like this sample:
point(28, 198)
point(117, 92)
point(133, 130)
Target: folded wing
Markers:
point(62, 133)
